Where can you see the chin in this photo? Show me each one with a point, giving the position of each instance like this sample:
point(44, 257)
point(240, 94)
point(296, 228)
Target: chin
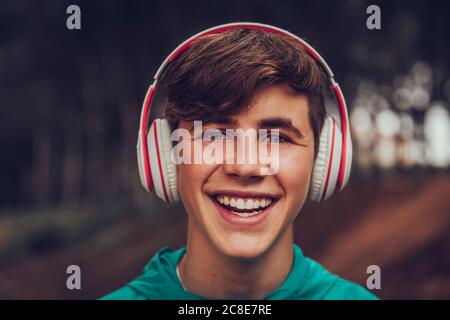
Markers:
point(243, 247)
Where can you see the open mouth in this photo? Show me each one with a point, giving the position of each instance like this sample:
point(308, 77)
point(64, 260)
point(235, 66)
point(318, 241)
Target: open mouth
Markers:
point(244, 206)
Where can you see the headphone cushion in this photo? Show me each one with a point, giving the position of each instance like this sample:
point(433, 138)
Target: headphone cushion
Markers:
point(140, 159)
point(326, 166)
point(164, 172)
point(169, 166)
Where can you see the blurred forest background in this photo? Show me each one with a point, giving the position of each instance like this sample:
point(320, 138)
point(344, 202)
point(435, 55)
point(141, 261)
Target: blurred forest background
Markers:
point(69, 110)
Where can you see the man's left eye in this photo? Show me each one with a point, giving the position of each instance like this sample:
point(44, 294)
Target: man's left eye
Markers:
point(273, 137)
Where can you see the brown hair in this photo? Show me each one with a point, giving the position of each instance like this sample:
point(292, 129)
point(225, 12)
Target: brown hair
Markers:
point(220, 74)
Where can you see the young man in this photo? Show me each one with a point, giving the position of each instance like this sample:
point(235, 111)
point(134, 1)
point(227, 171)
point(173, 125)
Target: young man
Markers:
point(240, 234)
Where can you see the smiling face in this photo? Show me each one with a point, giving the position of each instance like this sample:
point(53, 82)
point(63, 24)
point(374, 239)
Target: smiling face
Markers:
point(233, 207)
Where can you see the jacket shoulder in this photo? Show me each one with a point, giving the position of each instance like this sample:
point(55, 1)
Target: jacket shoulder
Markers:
point(346, 290)
point(325, 285)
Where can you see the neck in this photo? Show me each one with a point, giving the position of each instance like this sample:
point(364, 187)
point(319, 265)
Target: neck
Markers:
point(206, 272)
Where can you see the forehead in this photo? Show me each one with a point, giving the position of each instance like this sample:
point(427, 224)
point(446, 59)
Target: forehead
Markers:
point(271, 103)
point(277, 100)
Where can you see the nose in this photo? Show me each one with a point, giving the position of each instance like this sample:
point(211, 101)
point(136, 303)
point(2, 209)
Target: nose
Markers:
point(242, 160)
point(243, 171)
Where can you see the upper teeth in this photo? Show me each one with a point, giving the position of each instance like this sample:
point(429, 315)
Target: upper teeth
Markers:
point(244, 203)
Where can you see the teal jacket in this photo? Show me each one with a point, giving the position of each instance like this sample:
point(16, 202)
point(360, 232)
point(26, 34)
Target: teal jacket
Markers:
point(307, 280)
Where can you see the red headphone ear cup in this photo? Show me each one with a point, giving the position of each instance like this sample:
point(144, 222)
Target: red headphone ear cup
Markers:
point(345, 162)
point(326, 166)
point(163, 169)
point(144, 175)
point(348, 161)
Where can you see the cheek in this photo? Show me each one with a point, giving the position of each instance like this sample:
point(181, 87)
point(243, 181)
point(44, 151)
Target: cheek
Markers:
point(191, 178)
point(295, 172)
point(192, 172)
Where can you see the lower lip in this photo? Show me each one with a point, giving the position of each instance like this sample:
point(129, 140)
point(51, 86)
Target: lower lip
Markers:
point(244, 221)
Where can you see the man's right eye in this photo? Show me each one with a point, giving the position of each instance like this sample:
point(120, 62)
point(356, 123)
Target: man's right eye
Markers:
point(213, 135)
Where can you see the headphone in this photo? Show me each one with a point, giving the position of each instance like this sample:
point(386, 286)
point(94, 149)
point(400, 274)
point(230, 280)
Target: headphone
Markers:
point(331, 168)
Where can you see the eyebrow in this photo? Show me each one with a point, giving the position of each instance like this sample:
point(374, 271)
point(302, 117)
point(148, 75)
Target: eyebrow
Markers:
point(282, 123)
point(222, 121)
point(225, 121)
point(267, 123)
